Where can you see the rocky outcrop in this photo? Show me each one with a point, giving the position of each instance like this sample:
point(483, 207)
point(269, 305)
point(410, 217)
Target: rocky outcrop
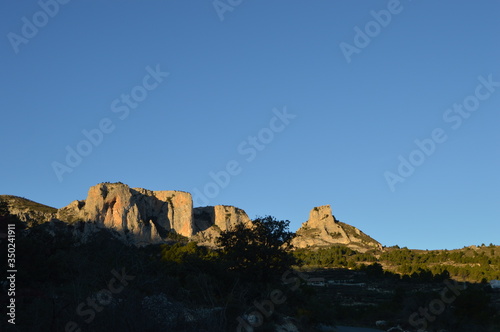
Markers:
point(143, 215)
point(322, 230)
point(209, 221)
point(148, 216)
point(28, 211)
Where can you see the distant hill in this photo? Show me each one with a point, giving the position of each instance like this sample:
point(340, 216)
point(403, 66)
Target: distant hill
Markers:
point(473, 264)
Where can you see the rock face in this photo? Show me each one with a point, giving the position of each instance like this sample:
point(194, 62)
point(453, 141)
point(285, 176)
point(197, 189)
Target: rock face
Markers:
point(211, 220)
point(28, 211)
point(322, 230)
point(143, 216)
point(146, 215)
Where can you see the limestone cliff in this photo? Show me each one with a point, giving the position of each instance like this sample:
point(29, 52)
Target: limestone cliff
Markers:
point(143, 216)
point(209, 221)
point(322, 230)
point(149, 215)
point(146, 215)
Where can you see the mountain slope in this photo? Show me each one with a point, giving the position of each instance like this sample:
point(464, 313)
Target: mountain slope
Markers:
point(26, 210)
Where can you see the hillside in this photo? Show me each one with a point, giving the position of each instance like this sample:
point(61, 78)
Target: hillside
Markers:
point(26, 210)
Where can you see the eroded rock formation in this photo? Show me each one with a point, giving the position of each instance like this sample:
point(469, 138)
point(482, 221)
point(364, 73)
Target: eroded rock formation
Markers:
point(146, 215)
point(209, 221)
point(143, 216)
point(322, 230)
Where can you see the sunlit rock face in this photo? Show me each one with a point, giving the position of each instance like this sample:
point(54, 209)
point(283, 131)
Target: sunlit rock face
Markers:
point(145, 215)
point(210, 221)
point(322, 230)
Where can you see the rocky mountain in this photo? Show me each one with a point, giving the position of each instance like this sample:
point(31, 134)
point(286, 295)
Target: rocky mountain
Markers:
point(32, 213)
point(323, 230)
point(142, 216)
point(146, 216)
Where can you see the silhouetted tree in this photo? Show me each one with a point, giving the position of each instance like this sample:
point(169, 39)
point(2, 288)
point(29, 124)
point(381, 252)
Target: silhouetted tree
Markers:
point(259, 252)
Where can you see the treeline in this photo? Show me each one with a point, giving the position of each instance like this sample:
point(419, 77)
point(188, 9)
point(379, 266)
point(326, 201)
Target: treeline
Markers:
point(336, 256)
point(467, 264)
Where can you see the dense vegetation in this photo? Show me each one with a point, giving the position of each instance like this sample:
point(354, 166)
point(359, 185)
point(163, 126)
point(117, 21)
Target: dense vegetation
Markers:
point(474, 264)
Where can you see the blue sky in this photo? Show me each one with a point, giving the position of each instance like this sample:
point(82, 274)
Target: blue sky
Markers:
point(286, 103)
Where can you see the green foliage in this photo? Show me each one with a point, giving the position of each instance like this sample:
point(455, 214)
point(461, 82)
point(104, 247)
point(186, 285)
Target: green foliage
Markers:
point(180, 253)
point(464, 264)
point(174, 236)
point(335, 256)
point(421, 266)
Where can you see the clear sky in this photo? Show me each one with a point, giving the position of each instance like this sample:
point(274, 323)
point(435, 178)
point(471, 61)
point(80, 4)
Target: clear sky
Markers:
point(272, 106)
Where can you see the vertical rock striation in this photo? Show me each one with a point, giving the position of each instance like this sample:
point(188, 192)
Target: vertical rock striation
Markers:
point(146, 215)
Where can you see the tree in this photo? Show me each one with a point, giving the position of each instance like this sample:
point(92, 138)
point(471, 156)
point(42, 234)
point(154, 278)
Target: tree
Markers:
point(259, 251)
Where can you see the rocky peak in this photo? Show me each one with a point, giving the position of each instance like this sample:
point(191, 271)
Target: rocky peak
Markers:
point(321, 217)
point(322, 230)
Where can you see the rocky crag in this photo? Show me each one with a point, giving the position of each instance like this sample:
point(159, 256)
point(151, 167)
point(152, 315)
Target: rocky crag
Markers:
point(32, 213)
point(141, 216)
point(146, 216)
point(211, 220)
point(323, 230)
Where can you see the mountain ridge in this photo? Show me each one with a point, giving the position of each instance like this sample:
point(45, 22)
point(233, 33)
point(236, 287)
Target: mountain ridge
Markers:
point(143, 216)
